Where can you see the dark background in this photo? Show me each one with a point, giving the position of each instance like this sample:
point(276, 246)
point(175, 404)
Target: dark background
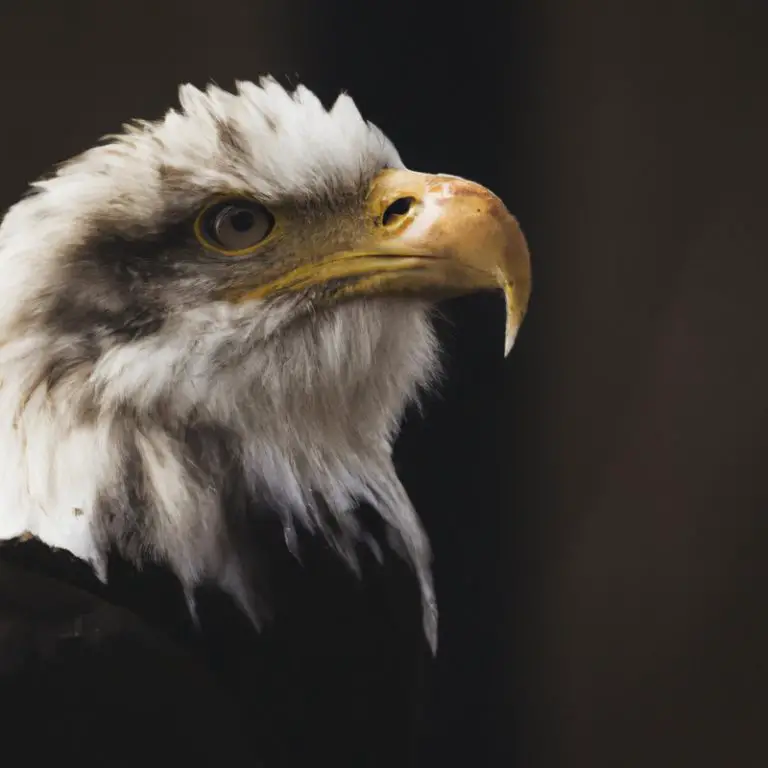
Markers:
point(598, 503)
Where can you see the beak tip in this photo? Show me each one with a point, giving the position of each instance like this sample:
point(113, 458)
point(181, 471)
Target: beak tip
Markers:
point(513, 315)
point(509, 342)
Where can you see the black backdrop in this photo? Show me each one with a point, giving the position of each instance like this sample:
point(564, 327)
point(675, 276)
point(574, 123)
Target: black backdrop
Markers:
point(597, 503)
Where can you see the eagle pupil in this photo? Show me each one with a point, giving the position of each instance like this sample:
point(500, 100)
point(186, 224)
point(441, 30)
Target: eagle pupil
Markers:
point(241, 220)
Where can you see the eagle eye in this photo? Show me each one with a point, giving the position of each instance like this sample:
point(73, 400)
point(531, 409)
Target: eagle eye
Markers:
point(234, 226)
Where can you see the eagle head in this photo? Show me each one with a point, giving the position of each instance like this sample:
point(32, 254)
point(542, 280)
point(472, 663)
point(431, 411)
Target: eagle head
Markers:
point(223, 310)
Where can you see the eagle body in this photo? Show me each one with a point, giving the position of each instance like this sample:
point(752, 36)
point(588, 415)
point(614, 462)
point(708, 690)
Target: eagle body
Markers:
point(136, 414)
point(210, 328)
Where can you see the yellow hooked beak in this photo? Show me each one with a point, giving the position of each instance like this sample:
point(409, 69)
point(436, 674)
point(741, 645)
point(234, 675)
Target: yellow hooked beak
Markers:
point(430, 235)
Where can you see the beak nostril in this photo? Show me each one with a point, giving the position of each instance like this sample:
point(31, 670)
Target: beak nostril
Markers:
point(396, 210)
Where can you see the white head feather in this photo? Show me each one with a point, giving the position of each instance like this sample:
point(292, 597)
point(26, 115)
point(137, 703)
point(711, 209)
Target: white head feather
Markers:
point(150, 440)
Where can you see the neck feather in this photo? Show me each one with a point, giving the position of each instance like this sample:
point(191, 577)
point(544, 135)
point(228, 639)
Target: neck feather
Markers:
point(158, 447)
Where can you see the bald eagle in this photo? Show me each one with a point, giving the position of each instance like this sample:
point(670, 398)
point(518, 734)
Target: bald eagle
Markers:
point(225, 310)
